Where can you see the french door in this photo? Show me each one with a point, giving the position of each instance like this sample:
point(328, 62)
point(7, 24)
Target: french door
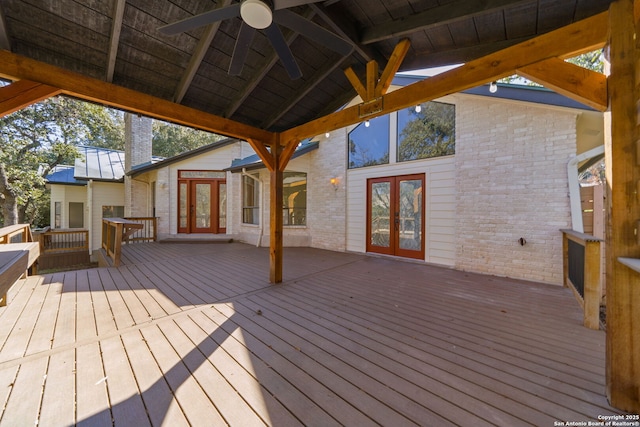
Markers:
point(202, 206)
point(395, 215)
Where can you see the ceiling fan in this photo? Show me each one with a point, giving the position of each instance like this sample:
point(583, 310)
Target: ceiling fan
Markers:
point(264, 15)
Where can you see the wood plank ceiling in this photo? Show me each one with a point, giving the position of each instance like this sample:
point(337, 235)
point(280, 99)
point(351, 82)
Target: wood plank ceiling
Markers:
point(118, 41)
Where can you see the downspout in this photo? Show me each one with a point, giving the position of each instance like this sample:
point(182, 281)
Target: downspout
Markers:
point(574, 186)
point(90, 209)
point(260, 229)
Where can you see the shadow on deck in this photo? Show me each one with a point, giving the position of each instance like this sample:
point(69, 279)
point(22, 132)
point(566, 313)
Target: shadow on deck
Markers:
point(193, 334)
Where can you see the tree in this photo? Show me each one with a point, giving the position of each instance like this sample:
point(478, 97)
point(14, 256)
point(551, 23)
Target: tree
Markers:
point(593, 61)
point(428, 133)
point(40, 137)
point(170, 139)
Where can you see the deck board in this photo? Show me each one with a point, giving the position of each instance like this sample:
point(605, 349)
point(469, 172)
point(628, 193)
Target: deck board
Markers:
point(186, 334)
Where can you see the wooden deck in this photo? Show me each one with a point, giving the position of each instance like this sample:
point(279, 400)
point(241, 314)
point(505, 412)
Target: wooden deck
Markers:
point(194, 335)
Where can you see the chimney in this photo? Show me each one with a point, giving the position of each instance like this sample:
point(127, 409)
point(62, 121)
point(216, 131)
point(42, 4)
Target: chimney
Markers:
point(137, 140)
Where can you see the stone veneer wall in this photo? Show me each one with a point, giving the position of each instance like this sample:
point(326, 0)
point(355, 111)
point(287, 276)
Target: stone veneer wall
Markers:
point(511, 182)
point(138, 148)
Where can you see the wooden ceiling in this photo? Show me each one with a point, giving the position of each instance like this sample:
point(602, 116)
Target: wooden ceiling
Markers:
point(118, 41)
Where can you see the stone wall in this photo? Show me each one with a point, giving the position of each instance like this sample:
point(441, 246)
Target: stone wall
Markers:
point(511, 183)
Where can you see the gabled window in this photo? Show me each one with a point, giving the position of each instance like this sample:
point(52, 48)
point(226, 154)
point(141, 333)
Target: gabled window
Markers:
point(429, 132)
point(369, 145)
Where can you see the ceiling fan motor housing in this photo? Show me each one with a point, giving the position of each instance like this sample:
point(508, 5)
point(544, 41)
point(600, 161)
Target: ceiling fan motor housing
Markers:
point(256, 13)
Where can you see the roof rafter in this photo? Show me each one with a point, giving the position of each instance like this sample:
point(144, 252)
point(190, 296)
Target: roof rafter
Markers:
point(197, 57)
point(114, 39)
point(583, 36)
point(445, 14)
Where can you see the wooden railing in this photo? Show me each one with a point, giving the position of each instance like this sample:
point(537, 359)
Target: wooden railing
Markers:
point(55, 241)
point(18, 253)
point(148, 232)
point(114, 232)
point(19, 233)
point(581, 264)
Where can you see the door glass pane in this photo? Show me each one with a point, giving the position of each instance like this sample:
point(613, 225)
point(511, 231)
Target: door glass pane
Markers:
point(380, 213)
point(222, 205)
point(410, 226)
point(203, 205)
point(183, 205)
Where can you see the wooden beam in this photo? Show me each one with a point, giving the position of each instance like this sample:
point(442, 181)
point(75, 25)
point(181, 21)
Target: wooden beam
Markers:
point(393, 64)
point(356, 83)
point(287, 153)
point(114, 39)
point(372, 79)
point(446, 14)
point(573, 81)
point(16, 67)
point(586, 35)
point(197, 57)
point(275, 214)
point(263, 153)
point(623, 213)
point(23, 93)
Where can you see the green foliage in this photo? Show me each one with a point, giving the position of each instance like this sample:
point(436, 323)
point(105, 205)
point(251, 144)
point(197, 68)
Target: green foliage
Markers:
point(170, 139)
point(429, 133)
point(593, 61)
point(36, 139)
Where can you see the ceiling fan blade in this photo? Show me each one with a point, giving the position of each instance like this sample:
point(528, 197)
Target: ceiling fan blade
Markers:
point(282, 49)
point(283, 4)
point(245, 36)
point(201, 20)
point(313, 31)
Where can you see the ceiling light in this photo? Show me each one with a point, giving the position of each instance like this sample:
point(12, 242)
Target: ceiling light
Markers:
point(256, 14)
point(493, 87)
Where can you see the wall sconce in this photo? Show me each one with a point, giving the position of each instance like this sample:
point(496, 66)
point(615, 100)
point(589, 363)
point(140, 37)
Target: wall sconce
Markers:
point(335, 181)
point(493, 87)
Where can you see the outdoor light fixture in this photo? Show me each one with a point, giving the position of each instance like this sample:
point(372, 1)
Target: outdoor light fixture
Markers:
point(418, 108)
point(366, 123)
point(493, 87)
point(256, 14)
point(334, 181)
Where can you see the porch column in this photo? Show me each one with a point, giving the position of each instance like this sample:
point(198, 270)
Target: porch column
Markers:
point(275, 213)
point(622, 153)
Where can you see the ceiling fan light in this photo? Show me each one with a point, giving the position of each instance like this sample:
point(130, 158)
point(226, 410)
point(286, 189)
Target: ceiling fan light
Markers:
point(256, 14)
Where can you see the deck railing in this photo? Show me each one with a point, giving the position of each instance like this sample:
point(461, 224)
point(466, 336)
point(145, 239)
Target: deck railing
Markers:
point(55, 241)
point(18, 233)
point(114, 232)
point(148, 232)
point(581, 264)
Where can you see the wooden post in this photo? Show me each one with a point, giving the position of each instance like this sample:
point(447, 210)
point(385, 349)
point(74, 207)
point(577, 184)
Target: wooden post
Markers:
point(592, 289)
point(275, 213)
point(623, 212)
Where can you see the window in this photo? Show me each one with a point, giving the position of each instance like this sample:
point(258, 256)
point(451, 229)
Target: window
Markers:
point(112, 211)
point(57, 219)
point(76, 215)
point(369, 145)
point(428, 133)
point(250, 200)
point(294, 198)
